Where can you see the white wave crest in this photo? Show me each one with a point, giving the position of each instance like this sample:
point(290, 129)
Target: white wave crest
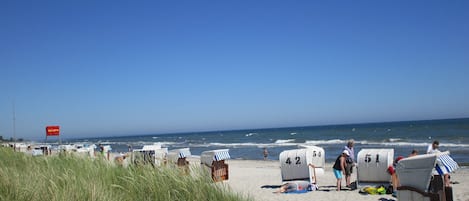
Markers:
point(334, 141)
point(246, 144)
point(453, 145)
point(284, 141)
point(394, 139)
point(395, 142)
point(412, 144)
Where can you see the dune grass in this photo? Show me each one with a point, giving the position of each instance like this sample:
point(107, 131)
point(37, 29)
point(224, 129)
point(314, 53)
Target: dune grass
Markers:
point(57, 178)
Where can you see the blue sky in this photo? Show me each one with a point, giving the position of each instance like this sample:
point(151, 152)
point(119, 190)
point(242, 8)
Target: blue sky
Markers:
point(102, 68)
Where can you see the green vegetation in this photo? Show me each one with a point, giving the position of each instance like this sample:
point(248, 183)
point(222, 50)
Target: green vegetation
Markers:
point(57, 178)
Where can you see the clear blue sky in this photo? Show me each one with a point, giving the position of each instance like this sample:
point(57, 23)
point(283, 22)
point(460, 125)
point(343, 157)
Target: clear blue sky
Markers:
point(101, 68)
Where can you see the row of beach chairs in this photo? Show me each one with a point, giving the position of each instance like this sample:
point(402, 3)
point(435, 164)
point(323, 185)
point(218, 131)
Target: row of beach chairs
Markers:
point(418, 179)
point(418, 175)
point(212, 160)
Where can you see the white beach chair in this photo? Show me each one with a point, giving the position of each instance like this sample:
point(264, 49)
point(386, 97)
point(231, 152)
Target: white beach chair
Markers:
point(295, 164)
point(318, 158)
point(150, 154)
point(214, 162)
point(372, 165)
point(421, 177)
point(178, 156)
point(414, 175)
point(86, 150)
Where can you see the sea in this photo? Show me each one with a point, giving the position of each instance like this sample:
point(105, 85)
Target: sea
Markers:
point(248, 144)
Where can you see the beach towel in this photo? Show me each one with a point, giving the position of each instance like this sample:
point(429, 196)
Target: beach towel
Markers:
point(373, 190)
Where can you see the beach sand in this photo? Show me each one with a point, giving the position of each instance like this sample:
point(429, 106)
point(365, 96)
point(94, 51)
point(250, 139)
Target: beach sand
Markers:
point(247, 177)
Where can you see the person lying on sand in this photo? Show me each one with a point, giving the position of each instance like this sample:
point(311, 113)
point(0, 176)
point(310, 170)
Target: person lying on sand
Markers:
point(295, 187)
point(299, 186)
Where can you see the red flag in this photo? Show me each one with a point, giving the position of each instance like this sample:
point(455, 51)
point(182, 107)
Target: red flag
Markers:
point(52, 130)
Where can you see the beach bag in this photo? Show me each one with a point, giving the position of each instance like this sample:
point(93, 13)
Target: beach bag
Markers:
point(353, 185)
point(389, 190)
point(349, 160)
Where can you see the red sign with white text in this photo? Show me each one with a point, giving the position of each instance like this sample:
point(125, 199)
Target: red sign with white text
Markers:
point(52, 130)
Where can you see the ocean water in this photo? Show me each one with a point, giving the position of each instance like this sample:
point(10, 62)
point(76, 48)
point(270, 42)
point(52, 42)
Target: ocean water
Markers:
point(403, 137)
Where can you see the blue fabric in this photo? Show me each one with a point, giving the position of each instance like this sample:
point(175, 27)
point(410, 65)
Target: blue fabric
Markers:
point(449, 163)
point(337, 173)
point(445, 164)
point(297, 192)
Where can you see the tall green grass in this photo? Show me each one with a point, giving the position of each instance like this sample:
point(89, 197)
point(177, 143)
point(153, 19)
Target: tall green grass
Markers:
point(58, 178)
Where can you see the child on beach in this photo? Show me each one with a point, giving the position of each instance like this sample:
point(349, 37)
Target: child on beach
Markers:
point(339, 167)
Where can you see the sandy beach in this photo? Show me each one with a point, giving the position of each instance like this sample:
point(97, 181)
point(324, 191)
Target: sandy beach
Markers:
point(258, 179)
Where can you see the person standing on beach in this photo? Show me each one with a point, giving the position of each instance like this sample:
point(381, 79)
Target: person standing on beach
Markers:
point(350, 163)
point(339, 167)
point(101, 149)
point(432, 149)
point(129, 148)
point(266, 153)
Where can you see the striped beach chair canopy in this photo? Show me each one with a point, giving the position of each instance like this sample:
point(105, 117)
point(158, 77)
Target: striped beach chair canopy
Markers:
point(445, 164)
point(184, 152)
point(221, 155)
point(208, 157)
point(176, 154)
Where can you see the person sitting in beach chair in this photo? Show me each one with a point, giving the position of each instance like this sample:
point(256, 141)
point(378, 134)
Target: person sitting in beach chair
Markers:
point(392, 171)
point(434, 149)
